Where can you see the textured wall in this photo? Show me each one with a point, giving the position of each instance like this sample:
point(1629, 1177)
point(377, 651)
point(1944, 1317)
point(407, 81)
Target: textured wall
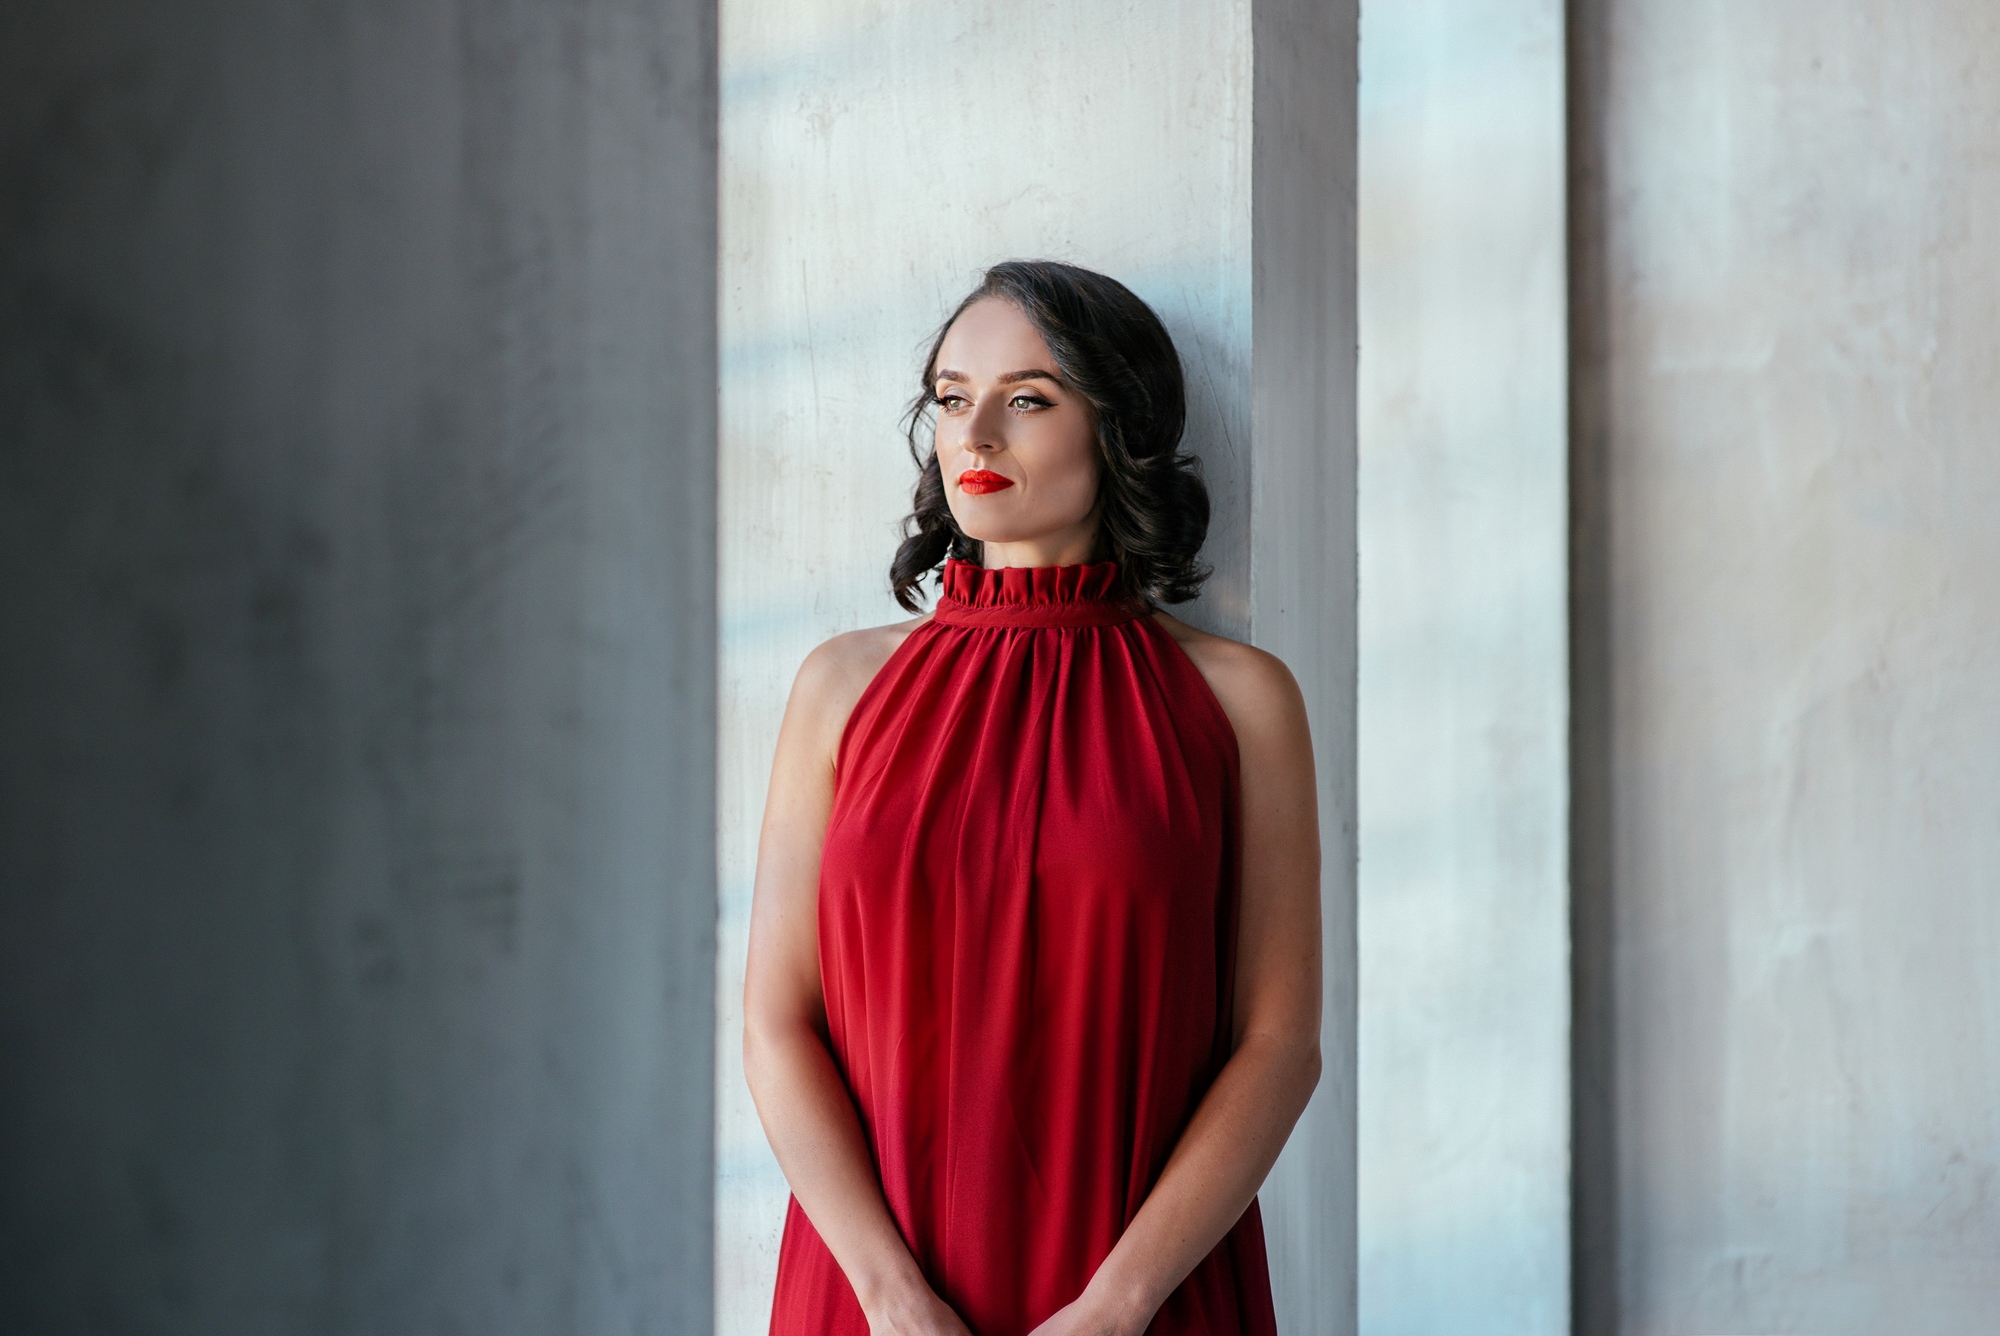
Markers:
point(1464, 894)
point(875, 157)
point(356, 533)
point(1787, 307)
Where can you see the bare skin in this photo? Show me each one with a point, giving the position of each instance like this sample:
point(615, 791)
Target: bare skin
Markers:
point(1241, 1124)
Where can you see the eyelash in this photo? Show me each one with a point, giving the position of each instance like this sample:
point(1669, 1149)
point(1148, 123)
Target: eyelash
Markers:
point(1033, 400)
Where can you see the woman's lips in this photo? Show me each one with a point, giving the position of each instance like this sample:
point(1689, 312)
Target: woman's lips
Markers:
point(981, 481)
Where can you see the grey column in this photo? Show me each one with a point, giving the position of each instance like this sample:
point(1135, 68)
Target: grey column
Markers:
point(1302, 573)
point(357, 437)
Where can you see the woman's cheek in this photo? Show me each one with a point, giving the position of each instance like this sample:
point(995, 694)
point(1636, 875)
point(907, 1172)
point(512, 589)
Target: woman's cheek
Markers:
point(1083, 475)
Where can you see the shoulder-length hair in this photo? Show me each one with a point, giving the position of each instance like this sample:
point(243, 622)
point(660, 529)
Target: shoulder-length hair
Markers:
point(1112, 350)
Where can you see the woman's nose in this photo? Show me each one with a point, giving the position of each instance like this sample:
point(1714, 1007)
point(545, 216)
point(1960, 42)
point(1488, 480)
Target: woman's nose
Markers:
point(982, 431)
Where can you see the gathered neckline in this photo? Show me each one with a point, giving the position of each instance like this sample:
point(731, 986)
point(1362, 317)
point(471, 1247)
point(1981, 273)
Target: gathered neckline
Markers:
point(1086, 594)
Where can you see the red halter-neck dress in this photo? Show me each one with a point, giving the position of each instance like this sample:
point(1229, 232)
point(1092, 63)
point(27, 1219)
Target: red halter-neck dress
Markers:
point(1027, 934)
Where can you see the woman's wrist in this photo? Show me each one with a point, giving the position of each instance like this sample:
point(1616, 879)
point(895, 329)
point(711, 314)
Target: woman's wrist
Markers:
point(1121, 1305)
point(896, 1283)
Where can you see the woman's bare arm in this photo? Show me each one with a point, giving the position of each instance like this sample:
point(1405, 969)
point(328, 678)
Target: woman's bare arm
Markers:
point(803, 1102)
point(1241, 1124)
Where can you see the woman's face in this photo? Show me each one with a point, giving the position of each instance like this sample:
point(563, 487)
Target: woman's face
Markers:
point(1017, 447)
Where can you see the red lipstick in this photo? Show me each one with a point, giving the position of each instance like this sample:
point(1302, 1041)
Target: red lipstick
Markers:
point(979, 482)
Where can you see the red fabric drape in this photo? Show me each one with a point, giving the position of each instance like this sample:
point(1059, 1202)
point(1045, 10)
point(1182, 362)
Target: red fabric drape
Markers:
point(1027, 913)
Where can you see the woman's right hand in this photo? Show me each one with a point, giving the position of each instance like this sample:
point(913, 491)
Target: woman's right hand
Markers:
point(914, 1311)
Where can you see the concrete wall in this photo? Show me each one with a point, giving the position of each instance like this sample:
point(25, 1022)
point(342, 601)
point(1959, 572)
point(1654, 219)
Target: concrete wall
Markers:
point(1786, 308)
point(356, 679)
point(875, 158)
point(1464, 943)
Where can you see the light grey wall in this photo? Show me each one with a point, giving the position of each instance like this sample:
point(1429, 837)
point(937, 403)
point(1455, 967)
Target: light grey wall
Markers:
point(1788, 748)
point(1464, 890)
point(356, 680)
point(875, 158)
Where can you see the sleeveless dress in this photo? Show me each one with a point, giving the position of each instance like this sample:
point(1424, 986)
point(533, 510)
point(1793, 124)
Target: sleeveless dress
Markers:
point(1027, 933)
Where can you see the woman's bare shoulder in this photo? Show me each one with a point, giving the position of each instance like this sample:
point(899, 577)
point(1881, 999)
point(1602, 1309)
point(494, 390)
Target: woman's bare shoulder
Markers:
point(1254, 687)
point(835, 674)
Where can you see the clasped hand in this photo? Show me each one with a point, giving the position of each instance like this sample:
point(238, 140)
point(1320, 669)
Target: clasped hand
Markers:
point(928, 1315)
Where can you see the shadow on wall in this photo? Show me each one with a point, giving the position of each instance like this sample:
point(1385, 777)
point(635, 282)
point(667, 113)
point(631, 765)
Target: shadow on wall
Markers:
point(1594, 1217)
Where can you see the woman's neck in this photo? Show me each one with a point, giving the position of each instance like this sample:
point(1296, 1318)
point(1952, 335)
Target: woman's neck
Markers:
point(1070, 547)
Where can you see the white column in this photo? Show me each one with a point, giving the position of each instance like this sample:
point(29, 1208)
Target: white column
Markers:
point(874, 160)
point(1464, 1060)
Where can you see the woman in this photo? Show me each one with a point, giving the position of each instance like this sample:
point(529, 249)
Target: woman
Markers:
point(1034, 982)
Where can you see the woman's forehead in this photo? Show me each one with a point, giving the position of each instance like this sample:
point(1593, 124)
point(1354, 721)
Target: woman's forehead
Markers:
point(991, 338)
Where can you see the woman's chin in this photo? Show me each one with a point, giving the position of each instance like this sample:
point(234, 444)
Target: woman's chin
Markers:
point(995, 536)
point(982, 525)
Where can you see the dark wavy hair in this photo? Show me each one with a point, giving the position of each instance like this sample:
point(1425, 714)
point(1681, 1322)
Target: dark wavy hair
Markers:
point(1111, 349)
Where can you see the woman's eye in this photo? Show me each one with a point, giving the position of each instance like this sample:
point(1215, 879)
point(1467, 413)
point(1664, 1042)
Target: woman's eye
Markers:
point(950, 402)
point(1029, 401)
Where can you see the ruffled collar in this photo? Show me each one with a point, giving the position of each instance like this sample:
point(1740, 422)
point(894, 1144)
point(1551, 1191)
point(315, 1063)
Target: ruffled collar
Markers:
point(1081, 595)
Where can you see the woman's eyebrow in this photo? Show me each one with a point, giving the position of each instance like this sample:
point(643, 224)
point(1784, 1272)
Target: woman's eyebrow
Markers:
point(1006, 378)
